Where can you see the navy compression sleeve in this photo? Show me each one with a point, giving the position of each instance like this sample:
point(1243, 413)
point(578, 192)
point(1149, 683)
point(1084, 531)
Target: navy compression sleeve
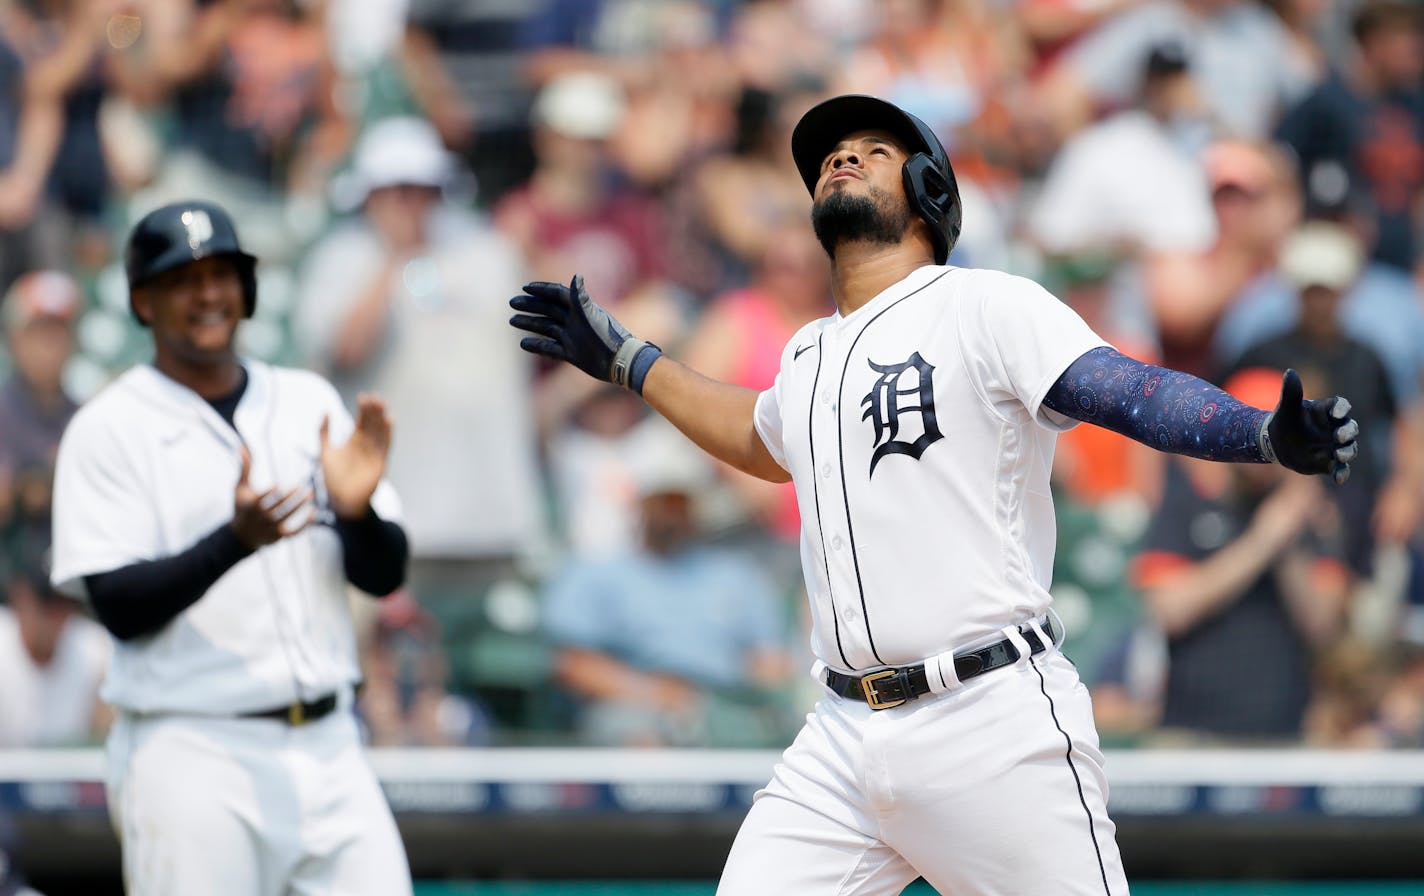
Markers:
point(141, 598)
point(1167, 409)
point(375, 553)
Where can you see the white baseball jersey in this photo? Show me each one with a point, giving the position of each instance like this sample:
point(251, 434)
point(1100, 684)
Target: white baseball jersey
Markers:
point(50, 705)
point(145, 470)
point(913, 430)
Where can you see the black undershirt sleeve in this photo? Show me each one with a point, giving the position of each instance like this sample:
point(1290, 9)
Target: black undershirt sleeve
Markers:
point(141, 598)
point(374, 552)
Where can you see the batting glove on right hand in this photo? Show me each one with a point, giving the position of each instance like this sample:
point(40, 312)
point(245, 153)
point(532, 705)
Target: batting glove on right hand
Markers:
point(1310, 436)
point(569, 326)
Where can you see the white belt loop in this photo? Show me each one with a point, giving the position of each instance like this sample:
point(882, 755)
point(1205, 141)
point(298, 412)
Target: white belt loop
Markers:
point(1020, 644)
point(1043, 638)
point(941, 674)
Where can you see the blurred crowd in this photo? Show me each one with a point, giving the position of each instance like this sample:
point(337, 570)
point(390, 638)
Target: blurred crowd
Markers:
point(1227, 187)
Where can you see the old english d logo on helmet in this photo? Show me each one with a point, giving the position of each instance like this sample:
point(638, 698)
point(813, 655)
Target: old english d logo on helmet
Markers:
point(199, 227)
point(929, 179)
point(183, 232)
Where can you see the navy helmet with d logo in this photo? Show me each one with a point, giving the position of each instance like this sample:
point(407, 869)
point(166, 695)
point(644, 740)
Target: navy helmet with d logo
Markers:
point(930, 185)
point(183, 232)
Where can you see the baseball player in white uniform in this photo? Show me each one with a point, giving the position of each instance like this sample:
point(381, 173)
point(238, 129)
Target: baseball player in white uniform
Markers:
point(955, 741)
point(212, 509)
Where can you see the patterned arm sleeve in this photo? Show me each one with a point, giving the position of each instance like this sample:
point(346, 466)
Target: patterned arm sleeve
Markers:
point(1172, 411)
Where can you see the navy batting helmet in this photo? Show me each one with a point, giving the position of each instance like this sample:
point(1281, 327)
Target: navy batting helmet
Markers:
point(177, 234)
point(930, 185)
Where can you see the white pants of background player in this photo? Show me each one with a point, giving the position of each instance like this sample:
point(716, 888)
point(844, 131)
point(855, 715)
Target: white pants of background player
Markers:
point(250, 806)
point(976, 789)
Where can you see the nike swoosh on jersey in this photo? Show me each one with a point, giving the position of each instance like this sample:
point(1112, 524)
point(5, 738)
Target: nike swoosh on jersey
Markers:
point(803, 348)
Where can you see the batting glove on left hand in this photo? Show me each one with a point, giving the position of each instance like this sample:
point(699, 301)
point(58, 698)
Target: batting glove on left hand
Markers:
point(1311, 436)
point(569, 326)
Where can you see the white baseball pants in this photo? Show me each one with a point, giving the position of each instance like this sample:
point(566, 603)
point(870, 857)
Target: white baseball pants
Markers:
point(250, 807)
point(995, 788)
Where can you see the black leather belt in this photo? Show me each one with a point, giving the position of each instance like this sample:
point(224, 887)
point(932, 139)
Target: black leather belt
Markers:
point(298, 713)
point(885, 688)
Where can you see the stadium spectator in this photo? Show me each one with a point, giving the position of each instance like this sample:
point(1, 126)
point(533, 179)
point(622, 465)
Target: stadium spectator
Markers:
point(1227, 39)
point(1188, 293)
point(1368, 117)
point(408, 299)
point(38, 315)
point(591, 473)
point(572, 215)
point(681, 98)
point(76, 63)
point(1400, 718)
point(1127, 686)
point(740, 338)
point(709, 674)
point(382, 73)
point(464, 63)
point(1304, 20)
point(934, 58)
point(1242, 570)
point(31, 126)
point(743, 196)
point(1322, 262)
point(772, 48)
point(1133, 181)
point(248, 87)
point(1384, 308)
point(52, 660)
point(403, 700)
point(568, 216)
point(1050, 27)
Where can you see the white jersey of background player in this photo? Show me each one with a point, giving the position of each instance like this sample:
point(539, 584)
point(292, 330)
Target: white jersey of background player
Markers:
point(211, 520)
point(955, 742)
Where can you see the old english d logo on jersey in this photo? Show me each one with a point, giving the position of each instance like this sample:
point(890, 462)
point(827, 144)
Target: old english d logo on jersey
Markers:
point(913, 379)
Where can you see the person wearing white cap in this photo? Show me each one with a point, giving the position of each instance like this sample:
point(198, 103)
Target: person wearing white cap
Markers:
point(568, 216)
point(1322, 261)
point(405, 299)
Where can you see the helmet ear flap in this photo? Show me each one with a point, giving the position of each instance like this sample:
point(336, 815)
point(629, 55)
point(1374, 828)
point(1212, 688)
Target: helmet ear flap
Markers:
point(934, 197)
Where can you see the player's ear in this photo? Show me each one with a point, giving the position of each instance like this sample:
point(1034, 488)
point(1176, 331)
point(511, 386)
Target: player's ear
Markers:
point(141, 300)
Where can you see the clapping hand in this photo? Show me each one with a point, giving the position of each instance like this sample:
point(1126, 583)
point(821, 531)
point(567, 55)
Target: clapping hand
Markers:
point(261, 519)
point(353, 469)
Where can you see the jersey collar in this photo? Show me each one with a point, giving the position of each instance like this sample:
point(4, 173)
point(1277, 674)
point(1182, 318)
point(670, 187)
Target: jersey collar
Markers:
point(892, 293)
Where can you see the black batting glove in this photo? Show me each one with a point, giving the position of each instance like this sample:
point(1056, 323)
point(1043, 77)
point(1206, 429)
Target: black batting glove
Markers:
point(1310, 436)
point(569, 326)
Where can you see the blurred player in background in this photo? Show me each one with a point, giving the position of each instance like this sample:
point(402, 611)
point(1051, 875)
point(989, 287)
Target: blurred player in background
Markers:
point(211, 509)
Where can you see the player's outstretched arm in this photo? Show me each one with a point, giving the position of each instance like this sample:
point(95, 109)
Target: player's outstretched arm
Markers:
point(566, 325)
point(1183, 414)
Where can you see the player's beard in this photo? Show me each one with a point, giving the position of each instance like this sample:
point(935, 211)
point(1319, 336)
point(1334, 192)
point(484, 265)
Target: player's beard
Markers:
point(847, 217)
